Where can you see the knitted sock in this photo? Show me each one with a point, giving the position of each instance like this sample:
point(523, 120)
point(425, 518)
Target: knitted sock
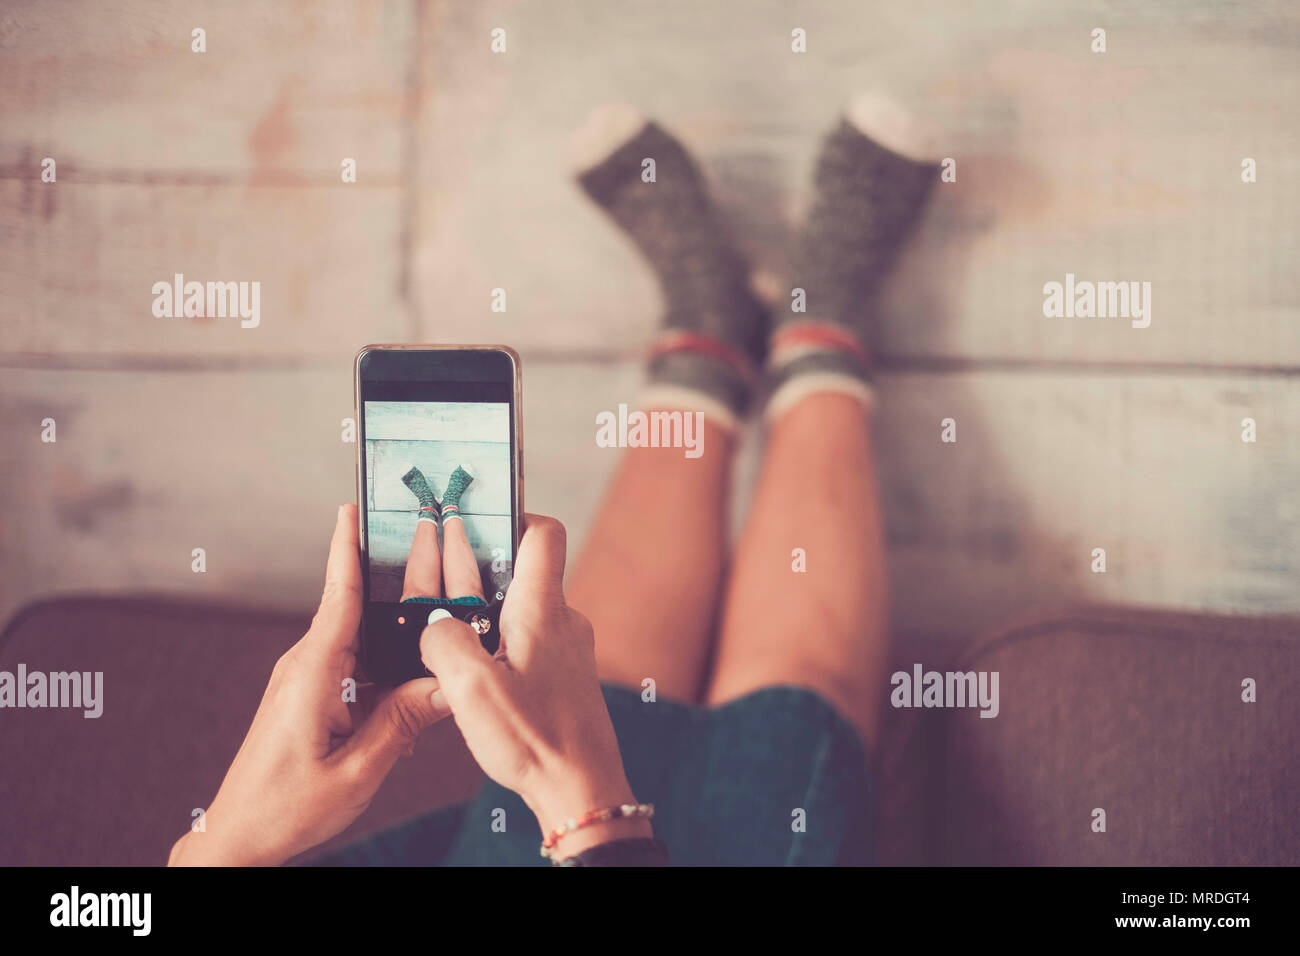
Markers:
point(870, 191)
point(415, 480)
point(460, 480)
point(708, 355)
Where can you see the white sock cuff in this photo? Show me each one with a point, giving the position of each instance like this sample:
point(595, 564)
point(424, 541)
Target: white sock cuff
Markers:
point(682, 398)
point(800, 387)
point(881, 118)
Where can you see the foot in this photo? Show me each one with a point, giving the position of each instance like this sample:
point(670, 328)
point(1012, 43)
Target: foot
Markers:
point(713, 340)
point(414, 480)
point(871, 183)
point(460, 480)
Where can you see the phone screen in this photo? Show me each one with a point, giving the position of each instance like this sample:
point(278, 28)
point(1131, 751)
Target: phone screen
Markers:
point(438, 497)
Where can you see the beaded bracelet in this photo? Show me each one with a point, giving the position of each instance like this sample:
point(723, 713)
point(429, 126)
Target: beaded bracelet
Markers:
point(603, 815)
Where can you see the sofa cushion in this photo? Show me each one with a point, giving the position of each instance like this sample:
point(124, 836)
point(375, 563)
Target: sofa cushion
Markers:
point(181, 683)
point(1139, 714)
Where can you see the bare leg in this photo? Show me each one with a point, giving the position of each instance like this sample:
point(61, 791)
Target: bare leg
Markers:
point(650, 572)
point(424, 564)
point(460, 567)
point(824, 628)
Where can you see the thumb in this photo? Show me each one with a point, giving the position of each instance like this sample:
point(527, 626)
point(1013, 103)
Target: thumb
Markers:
point(393, 727)
point(539, 568)
point(452, 651)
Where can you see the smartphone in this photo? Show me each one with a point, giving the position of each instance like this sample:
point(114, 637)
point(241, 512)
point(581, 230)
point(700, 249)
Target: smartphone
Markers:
point(440, 486)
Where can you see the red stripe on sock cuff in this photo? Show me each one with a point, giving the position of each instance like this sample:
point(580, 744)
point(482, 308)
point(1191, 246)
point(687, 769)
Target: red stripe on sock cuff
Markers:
point(681, 341)
point(428, 509)
point(822, 335)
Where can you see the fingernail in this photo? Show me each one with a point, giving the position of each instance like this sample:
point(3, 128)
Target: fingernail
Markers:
point(437, 614)
point(339, 517)
point(438, 700)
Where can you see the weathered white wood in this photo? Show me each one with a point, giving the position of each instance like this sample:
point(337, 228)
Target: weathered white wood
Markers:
point(1114, 167)
point(489, 462)
point(370, 474)
point(438, 421)
point(1123, 165)
point(1117, 166)
point(111, 88)
point(1046, 467)
point(78, 264)
point(150, 465)
point(1049, 466)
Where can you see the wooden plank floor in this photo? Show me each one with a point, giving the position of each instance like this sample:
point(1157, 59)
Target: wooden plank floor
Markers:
point(78, 262)
point(1123, 165)
point(1048, 465)
point(1073, 434)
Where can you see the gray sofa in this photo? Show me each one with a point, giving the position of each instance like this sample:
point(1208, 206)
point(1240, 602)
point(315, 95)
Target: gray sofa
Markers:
point(1138, 713)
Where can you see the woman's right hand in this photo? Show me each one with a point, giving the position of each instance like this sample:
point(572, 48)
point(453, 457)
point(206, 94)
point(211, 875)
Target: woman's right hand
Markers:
point(533, 715)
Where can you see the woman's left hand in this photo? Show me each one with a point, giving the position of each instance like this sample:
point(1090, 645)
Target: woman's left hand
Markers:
point(305, 771)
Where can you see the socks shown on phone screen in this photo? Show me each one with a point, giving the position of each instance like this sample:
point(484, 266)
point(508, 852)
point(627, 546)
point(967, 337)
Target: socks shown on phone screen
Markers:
point(708, 355)
point(870, 189)
point(460, 480)
point(415, 480)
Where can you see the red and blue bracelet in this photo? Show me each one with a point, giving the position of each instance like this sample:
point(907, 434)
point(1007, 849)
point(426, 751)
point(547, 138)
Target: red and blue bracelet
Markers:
point(603, 815)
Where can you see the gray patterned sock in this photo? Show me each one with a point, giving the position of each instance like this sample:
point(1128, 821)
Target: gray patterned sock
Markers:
point(869, 198)
point(460, 480)
point(715, 328)
point(415, 480)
